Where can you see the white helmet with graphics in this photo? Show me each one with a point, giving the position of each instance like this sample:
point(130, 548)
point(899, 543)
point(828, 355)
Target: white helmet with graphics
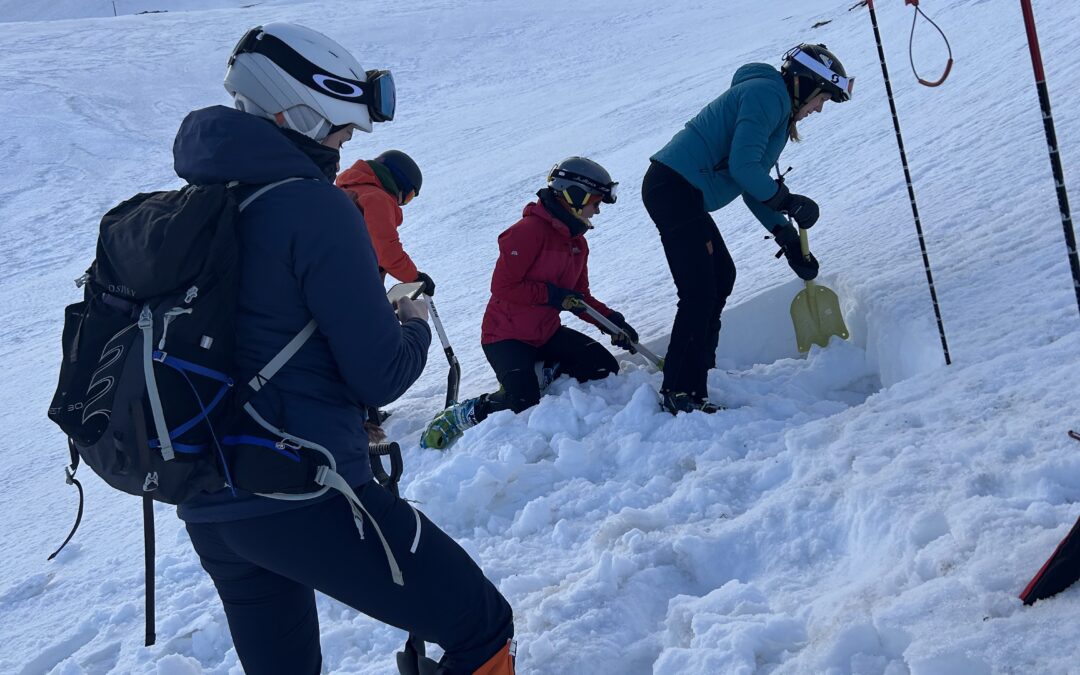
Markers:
point(306, 82)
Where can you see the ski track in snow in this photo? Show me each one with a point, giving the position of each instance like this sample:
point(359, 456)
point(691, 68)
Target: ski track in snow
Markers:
point(860, 510)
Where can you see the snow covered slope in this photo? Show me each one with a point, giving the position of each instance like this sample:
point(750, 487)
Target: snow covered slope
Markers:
point(865, 509)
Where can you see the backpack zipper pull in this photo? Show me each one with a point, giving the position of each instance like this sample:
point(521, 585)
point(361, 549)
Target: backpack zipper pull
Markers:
point(81, 281)
point(191, 294)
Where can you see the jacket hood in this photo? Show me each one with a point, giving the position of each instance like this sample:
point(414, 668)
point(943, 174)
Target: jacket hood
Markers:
point(220, 144)
point(367, 173)
point(754, 71)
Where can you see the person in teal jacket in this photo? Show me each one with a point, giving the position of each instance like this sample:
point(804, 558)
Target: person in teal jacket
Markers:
point(725, 152)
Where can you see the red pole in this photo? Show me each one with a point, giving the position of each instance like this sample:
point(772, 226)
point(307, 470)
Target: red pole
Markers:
point(1052, 144)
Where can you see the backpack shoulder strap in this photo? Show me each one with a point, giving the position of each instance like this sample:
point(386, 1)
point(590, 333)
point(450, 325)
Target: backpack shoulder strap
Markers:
point(263, 190)
point(282, 357)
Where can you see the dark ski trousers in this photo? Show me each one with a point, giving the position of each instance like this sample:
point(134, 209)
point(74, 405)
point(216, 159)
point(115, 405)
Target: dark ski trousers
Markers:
point(702, 269)
point(267, 570)
point(578, 356)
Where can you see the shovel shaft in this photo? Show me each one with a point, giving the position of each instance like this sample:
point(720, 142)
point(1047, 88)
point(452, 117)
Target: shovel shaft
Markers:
point(453, 378)
point(804, 242)
point(603, 321)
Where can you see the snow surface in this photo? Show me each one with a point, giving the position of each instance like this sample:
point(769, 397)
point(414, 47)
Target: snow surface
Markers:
point(864, 509)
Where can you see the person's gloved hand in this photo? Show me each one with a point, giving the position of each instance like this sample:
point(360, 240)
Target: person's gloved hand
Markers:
point(411, 309)
point(801, 208)
point(564, 298)
point(788, 239)
point(429, 285)
point(625, 339)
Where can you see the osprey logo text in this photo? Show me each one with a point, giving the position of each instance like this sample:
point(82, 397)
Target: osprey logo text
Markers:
point(151, 482)
point(120, 289)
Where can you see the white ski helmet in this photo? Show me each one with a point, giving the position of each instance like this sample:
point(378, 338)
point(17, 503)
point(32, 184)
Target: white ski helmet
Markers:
point(306, 82)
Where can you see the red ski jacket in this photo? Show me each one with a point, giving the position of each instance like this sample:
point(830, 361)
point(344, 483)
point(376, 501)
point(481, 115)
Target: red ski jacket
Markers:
point(383, 217)
point(535, 251)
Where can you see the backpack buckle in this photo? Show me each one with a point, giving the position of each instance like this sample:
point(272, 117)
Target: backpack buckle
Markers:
point(288, 444)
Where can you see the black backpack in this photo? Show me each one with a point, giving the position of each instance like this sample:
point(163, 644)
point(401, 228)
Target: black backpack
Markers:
point(150, 346)
point(147, 392)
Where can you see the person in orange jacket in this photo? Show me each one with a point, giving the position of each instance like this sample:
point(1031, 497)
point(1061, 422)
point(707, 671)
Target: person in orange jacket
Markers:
point(380, 187)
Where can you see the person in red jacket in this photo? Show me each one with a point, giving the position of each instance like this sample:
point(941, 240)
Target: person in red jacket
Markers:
point(380, 187)
point(542, 271)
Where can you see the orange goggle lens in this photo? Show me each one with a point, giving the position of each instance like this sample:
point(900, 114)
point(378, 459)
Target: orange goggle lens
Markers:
point(407, 197)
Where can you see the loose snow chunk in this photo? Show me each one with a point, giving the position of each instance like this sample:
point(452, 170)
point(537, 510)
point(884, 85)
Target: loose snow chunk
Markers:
point(730, 630)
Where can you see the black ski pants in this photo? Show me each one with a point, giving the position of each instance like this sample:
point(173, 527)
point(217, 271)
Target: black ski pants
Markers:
point(267, 570)
point(702, 269)
point(514, 363)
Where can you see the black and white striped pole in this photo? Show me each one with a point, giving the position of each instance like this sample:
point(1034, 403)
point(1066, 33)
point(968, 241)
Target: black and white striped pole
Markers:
point(910, 187)
point(1051, 142)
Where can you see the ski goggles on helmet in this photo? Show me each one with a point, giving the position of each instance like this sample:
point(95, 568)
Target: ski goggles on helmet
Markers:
point(377, 92)
point(838, 86)
point(606, 191)
point(406, 197)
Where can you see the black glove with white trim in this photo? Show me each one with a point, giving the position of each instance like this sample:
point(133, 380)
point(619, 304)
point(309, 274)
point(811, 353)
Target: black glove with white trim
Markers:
point(803, 210)
point(806, 267)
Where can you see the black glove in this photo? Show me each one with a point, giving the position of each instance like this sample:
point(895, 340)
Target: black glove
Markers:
point(429, 285)
point(563, 298)
point(802, 209)
point(625, 339)
point(788, 239)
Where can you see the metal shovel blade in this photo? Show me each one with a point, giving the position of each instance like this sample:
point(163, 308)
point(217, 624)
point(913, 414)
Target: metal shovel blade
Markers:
point(815, 313)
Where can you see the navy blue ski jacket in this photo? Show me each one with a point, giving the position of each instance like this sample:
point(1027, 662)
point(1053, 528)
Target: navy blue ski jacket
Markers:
point(305, 254)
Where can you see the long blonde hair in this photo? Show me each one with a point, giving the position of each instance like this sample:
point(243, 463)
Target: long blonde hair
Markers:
point(792, 132)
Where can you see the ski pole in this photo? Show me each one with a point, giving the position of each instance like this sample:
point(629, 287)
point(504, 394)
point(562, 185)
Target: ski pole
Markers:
point(1052, 144)
point(603, 321)
point(453, 379)
point(910, 186)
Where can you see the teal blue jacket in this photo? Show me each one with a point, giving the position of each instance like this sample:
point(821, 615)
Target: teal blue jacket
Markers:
point(728, 149)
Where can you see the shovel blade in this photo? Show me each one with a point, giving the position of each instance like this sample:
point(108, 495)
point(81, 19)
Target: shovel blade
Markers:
point(815, 312)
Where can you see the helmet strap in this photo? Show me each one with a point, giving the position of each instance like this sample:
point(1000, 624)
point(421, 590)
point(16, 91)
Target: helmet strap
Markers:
point(576, 204)
point(316, 133)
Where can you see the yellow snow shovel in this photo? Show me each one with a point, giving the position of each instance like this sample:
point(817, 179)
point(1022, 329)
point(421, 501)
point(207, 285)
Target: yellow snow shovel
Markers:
point(815, 311)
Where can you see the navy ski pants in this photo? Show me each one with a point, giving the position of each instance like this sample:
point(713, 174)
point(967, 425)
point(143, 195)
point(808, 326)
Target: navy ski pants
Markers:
point(267, 570)
point(513, 361)
point(702, 269)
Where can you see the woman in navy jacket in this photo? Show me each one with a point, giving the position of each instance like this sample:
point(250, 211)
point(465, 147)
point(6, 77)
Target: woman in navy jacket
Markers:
point(305, 255)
